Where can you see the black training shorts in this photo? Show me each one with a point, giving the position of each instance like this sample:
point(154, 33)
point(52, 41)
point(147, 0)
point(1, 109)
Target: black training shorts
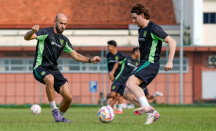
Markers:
point(59, 80)
point(118, 87)
point(146, 71)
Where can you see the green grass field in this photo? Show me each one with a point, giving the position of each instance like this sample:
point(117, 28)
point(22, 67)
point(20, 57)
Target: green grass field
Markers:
point(85, 119)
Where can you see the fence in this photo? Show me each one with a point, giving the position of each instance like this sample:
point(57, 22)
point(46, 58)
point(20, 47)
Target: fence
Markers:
point(19, 86)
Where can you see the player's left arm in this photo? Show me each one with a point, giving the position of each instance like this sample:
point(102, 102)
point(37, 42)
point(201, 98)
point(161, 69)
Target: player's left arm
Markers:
point(172, 48)
point(160, 34)
point(78, 57)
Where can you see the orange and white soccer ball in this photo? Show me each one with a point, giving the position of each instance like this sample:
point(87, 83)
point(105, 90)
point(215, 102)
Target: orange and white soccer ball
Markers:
point(106, 114)
point(35, 109)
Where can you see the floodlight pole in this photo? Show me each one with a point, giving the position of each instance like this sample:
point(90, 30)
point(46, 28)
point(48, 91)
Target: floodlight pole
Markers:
point(181, 55)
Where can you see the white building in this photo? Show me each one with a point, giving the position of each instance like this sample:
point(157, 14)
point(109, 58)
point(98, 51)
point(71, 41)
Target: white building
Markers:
point(200, 18)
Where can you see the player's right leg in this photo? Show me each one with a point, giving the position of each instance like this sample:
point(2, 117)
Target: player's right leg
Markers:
point(143, 74)
point(120, 99)
point(128, 95)
point(61, 86)
point(109, 95)
point(46, 77)
point(114, 90)
point(66, 101)
point(114, 99)
point(132, 85)
point(120, 105)
point(152, 117)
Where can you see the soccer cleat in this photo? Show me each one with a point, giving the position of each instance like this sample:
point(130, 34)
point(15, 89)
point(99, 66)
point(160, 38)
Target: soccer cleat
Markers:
point(152, 118)
point(141, 110)
point(56, 115)
point(159, 93)
point(118, 112)
point(66, 120)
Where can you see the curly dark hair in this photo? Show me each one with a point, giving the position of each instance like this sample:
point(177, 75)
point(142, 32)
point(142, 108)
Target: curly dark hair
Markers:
point(139, 8)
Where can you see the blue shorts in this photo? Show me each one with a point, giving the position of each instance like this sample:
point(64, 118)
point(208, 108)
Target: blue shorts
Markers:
point(118, 87)
point(146, 71)
point(59, 80)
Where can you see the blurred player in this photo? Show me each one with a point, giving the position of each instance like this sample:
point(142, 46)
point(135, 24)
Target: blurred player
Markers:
point(150, 97)
point(100, 101)
point(150, 40)
point(51, 42)
point(112, 57)
point(127, 66)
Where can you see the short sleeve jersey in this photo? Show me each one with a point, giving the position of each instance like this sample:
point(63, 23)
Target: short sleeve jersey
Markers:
point(127, 66)
point(112, 59)
point(150, 42)
point(49, 48)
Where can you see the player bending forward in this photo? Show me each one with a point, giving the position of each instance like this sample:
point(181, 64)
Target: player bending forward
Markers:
point(51, 42)
point(150, 40)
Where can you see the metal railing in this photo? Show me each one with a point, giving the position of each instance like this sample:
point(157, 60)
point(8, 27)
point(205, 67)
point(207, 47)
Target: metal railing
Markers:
point(68, 65)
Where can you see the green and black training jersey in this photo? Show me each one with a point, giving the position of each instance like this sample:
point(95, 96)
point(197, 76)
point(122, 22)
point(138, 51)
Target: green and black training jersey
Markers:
point(150, 42)
point(112, 59)
point(127, 66)
point(49, 48)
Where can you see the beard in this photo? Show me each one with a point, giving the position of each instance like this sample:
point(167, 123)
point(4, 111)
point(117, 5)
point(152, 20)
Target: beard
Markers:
point(139, 25)
point(58, 30)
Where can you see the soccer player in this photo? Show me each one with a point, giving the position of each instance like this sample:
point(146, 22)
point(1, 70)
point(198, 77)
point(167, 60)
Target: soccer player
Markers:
point(127, 66)
point(112, 57)
point(50, 44)
point(150, 97)
point(150, 40)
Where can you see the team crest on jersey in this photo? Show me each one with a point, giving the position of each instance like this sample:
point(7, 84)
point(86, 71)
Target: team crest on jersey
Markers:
point(113, 87)
point(61, 41)
point(136, 63)
point(144, 33)
point(116, 57)
point(43, 73)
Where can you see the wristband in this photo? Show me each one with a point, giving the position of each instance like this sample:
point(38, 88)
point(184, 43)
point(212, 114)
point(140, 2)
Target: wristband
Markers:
point(89, 60)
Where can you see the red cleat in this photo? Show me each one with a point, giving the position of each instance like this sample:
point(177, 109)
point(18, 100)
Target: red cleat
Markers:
point(141, 110)
point(118, 112)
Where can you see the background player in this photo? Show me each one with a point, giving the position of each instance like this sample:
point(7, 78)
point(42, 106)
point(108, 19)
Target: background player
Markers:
point(150, 40)
point(51, 43)
point(148, 96)
point(112, 57)
point(127, 66)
